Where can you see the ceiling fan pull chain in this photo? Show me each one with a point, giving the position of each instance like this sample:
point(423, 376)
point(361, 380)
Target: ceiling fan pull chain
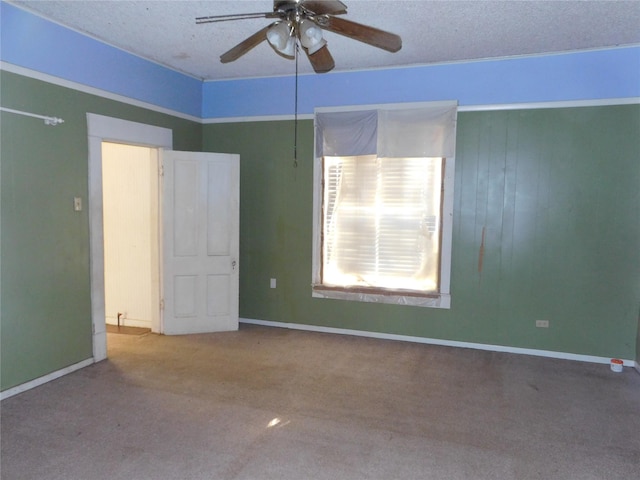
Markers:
point(295, 115)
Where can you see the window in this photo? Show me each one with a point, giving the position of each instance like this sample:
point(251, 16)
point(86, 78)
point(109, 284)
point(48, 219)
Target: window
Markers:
point(383, 202)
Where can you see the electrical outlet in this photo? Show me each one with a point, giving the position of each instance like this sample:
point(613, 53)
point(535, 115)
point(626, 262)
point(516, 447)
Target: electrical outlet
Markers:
point(542, 323)
point(77, 204)
point(273, 283)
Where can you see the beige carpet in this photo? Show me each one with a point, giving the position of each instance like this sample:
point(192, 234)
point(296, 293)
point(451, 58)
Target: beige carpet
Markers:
point(268, 403)
point(124, 330)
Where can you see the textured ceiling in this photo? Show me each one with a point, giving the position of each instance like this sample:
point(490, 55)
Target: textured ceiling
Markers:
point(431, 31)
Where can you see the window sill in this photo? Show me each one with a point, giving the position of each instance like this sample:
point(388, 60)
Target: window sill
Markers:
point(442, 300)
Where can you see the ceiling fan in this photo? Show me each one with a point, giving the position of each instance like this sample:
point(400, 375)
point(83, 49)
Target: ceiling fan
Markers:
point(302, 22)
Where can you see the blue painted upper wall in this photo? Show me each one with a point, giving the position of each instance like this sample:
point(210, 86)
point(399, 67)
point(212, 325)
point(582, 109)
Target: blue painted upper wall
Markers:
point(32, 42)
point(587, 75)
point(37, 44)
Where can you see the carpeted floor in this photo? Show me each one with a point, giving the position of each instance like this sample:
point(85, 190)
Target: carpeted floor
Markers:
point(268, 403)
point(123, 330)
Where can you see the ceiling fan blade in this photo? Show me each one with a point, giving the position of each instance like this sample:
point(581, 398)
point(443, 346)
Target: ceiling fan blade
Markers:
point(246, 45)
point(236, 16)
point(321, 60)
point(322, 7)
point(363, 33)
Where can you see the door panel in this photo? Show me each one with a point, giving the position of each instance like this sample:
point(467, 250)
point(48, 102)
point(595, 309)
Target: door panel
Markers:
point(200, 242)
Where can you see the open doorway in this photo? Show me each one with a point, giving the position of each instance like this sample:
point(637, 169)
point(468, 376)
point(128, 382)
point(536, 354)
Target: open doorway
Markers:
point(201, 294)
point(130, 200)
point(108, 129)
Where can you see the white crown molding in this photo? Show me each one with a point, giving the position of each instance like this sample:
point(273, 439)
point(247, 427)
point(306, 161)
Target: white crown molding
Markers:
point(559, 104)
point(461, 108)
point(258, 118)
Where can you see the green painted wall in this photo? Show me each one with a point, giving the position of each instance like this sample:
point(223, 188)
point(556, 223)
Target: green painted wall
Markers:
point(555, 191)
point(638, 345)
point(45, 306)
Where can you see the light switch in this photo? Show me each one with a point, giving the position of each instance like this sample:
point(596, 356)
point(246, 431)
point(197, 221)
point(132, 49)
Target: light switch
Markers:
point(273, 283)
point(77, 204)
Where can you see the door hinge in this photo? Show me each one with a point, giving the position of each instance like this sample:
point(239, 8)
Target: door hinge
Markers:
point(162, 304)
point(161, 170)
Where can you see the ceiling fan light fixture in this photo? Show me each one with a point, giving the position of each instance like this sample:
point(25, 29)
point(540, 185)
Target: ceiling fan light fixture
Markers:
point(290, 48)
point(311, 36)
point(279, 36)
point(316, 47)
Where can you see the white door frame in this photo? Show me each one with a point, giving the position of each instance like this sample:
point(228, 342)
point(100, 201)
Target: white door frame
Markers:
point(109, 129)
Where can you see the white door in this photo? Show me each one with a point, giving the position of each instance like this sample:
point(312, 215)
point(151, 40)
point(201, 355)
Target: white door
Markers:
point(200, 242)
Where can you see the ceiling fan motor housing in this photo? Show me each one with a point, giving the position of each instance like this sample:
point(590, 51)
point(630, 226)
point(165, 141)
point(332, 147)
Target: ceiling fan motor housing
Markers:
point(285, 5)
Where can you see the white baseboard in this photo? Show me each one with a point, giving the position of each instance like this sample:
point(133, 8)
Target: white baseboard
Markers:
point(342, 331)
point(436, 341)
point(10, 392)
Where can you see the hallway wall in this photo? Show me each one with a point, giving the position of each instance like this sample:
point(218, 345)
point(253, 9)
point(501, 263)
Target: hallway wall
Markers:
point(131, 238)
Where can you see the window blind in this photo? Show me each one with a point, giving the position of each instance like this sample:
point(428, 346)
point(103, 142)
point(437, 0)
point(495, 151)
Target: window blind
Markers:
point(381, 222)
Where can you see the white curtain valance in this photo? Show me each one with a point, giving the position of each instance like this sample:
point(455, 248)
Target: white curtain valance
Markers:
point(424, 131)
point(346, 134)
